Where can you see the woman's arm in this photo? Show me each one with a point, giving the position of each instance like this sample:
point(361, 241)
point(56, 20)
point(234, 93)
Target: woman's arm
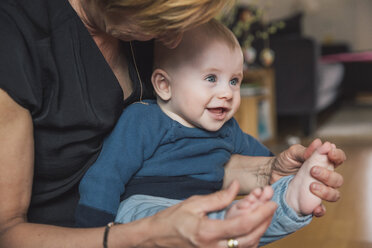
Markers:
point(16, 173)
point(251, 172)
point(183, 225)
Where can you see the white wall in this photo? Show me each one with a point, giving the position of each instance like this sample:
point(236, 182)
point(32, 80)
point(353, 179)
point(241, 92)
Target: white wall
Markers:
point(328, 20)
point(334, 20)
point(363, 25)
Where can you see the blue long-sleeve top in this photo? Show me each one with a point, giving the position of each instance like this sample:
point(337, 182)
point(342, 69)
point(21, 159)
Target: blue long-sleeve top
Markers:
point(149, 153)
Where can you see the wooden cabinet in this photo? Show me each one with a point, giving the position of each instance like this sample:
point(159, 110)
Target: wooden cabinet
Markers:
point(256, 115)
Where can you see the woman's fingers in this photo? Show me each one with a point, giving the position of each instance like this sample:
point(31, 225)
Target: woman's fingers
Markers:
point(328, 177)
point(253, 239)
point(319, 211)
point(295, 155)
point(325, 193)
point(337, 156)
point(327, 189)
point(311, 148)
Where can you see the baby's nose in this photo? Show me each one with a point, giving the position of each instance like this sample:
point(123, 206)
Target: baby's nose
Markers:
point(225, 92)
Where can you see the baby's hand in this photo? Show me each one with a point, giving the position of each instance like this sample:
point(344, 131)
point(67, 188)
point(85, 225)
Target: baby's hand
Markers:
point(298, 194)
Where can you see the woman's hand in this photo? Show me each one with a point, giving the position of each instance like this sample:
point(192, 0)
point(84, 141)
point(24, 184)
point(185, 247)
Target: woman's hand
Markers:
point(187, 225)
point(289, 162)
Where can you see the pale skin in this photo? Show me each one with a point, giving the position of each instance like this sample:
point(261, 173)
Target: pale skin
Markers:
point(183, 225)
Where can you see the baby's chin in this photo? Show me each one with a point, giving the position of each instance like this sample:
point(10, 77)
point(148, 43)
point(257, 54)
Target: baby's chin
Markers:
point(213, 127)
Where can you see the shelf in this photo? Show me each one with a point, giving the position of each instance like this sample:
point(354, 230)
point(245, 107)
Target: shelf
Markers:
point(256, 115)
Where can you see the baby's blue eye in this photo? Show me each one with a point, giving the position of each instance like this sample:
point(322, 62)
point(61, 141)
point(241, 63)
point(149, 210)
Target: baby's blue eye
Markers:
point(211, 78)
point(234, 81)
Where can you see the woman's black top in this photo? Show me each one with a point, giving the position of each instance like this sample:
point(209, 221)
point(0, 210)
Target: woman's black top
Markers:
point(50, 65)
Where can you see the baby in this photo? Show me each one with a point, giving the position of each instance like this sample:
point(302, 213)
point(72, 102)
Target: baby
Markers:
point(164, 151)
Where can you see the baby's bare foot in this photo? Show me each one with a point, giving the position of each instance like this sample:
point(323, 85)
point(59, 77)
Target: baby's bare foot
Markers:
point(250, 202)
point(299, 196)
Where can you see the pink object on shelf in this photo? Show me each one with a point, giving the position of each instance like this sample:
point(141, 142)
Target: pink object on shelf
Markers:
point(348, 57)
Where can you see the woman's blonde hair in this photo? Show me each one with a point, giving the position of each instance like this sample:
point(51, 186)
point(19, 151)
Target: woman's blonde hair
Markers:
point(161, 16)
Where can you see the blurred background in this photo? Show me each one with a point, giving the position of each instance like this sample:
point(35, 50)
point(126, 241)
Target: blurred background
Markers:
point(308, 74)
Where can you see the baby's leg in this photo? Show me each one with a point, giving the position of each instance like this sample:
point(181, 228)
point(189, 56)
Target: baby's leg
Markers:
point(249, 203)
point(140, 206)
point(299, 196)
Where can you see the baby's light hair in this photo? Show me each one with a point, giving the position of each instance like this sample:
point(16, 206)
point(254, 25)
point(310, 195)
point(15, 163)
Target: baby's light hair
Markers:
point(216, 30)
point(193, 39)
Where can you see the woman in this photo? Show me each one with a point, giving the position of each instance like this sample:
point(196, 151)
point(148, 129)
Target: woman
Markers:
point(66, 72)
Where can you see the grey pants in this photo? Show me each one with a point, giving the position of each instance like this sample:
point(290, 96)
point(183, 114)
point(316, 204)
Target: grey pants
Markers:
point(140, 206)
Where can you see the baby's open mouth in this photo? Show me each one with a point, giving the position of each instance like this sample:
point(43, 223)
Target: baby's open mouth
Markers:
point(217, 110)
point(218, 113)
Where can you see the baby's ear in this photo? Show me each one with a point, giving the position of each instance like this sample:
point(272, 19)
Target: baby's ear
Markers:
point(161, 83)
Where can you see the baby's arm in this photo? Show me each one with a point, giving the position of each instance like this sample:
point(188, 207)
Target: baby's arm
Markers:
point(294, 199)
point(285, 220)
point(298, 195)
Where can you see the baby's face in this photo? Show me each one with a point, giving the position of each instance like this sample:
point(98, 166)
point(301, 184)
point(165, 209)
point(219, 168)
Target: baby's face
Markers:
point(206, 89)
